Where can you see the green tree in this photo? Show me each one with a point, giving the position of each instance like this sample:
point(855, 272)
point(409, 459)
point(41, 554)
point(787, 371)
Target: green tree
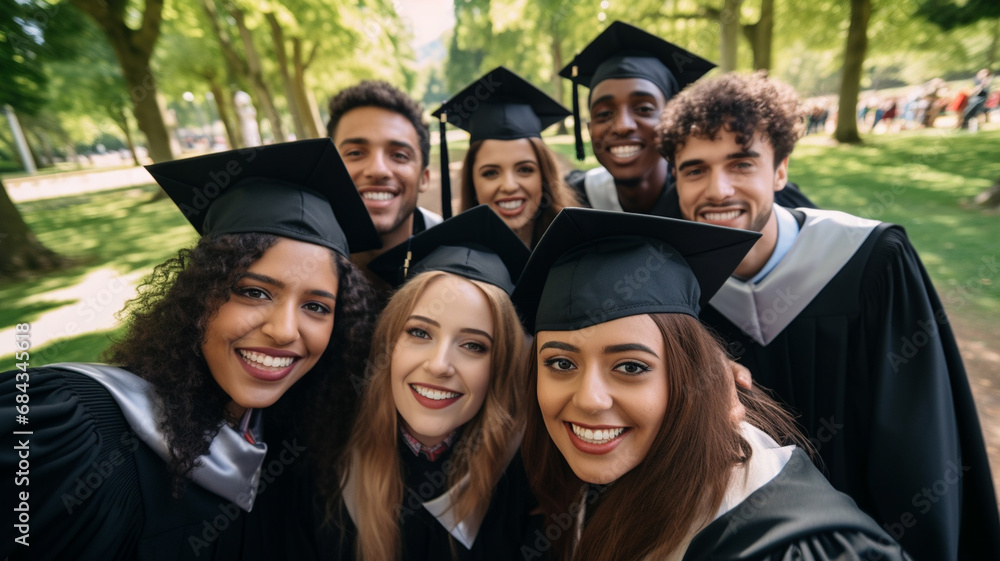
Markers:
point(855, 49)
point(24, 82)
point(470, 43)
point(87, 81)
point(194, 62)
point(133, 47)
point(23, 87)
point(949, 14)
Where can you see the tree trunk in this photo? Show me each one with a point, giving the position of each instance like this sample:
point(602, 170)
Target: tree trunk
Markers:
point(43, 139)
point(278, 37)
point(729, 26)
point(760, 36)
point(850, 80)
point(122, 121)
point(991, 54)
point(224, 108)
point(20, 250)
point(133, 48)
point(255, 72)
point(39, 159)
point(555, 47)
point(307, 103)
point(147, 114)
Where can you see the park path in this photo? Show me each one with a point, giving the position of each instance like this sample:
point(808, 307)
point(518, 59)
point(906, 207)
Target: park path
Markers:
point(978, 343)
point(23, 189)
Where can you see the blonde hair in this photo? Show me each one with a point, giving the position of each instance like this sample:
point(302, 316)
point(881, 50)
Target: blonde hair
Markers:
point(556, 195)
point(372, 449)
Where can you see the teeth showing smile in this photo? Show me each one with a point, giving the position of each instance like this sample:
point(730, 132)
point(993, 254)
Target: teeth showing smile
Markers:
point(721, 216)
point(510, 205)
point(599, 436)
point(260, 359)
point(436, 395)
point(625, 151)
point(377, 196)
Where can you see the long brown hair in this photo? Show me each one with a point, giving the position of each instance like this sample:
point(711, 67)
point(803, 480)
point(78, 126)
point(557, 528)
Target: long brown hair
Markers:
point(681, 482)
point(372, 449)
point(556, 195)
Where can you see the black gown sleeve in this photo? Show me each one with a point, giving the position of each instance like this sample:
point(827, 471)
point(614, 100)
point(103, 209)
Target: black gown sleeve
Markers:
point(928, 477)
point(797, 516)
point(83, 497)
point(836, 546)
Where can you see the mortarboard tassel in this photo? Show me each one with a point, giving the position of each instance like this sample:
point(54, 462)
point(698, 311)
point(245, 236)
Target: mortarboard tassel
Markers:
point(576, 119)
point(445, 172)
point(409, 257)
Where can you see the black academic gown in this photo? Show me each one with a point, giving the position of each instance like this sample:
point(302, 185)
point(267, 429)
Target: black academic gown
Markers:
point(795, 516)
point(668, 205)
point(871, 368)
point(507, 525)
point(96, 492)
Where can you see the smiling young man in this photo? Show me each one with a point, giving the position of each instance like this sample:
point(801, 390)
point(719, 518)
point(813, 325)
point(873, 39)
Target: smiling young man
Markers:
point(632, 75)
point(385, 145)
point(836, 314)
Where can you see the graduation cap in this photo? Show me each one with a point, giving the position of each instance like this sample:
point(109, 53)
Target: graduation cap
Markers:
point(500, 106)
point(476, 244)
point(625, 51)
point(299, 190)
point(594, 266)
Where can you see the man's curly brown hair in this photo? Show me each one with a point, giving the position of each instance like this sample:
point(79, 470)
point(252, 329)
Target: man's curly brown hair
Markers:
point(744, 104)
point(166, 327)
point(375, 93)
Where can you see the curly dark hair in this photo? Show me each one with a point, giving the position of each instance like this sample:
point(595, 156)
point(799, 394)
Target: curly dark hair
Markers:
point(166, 327)
point(744, 104)
point(376, 93)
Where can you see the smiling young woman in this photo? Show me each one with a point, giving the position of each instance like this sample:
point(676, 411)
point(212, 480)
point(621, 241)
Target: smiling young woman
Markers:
point(507, 166)
point(220, 343)
point(638, 436)
point(434, 471)
point(519, 180)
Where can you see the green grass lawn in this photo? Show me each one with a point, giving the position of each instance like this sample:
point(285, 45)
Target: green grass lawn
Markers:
point(925, 181)
point(920, 179)
point(120, 229)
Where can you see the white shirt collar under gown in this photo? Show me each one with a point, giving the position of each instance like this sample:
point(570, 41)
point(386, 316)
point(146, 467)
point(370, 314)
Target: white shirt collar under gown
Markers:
point(827, 241)
point(601, 191)
point(465, 530)
point(231, 469)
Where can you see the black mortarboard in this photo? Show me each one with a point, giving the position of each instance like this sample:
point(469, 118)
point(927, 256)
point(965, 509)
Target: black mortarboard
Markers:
point(593, 266)
point(476, 244)
point(299, 190)
point(625, 51)
point(501, 106)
